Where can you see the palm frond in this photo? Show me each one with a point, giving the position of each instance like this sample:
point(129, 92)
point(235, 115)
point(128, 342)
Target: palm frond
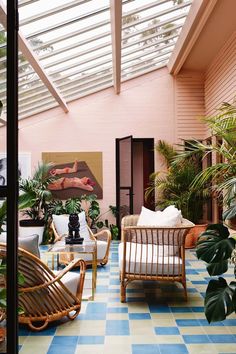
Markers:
point(166, 150)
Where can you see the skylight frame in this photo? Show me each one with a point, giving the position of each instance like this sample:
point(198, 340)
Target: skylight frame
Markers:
point(69, 73)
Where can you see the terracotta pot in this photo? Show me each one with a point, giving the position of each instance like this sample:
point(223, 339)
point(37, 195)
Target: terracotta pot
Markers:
point(193, 234)
point(2, 334)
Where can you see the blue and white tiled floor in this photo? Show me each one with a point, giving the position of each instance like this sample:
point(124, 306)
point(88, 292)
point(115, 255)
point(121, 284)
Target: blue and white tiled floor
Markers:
point(155, 319)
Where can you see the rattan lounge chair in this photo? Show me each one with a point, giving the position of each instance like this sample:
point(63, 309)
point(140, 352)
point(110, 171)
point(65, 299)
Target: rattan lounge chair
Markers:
point(152, 253)
point(45, 296)
point(103, 239)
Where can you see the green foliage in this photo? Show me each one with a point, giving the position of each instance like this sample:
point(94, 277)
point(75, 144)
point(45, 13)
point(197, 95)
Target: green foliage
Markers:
point(222, 175)
point(219, 299)
point(215, 247)
point(173, 186)
point(73, 205)
point(90, 205)
point(35, 196)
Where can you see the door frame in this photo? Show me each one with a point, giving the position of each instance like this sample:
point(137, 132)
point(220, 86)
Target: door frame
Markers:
point(118, 188)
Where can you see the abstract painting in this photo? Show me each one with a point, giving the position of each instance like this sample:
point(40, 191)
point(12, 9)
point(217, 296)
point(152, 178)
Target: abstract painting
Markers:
point(77, 173)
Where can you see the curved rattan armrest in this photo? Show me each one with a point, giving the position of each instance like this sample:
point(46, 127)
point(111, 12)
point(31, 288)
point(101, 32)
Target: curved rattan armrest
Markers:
point(57, 237)
point(76, 262)
point(103, 235)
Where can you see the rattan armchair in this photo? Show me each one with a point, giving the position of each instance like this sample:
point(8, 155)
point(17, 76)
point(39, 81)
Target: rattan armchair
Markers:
point(152, 253)
point(43, 296)
point(102, 237)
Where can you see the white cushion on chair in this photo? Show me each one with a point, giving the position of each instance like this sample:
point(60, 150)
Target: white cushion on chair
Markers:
point(101, 249)
point(61, 225)
point(169, 217)
point(146, 259)
point(70, 280)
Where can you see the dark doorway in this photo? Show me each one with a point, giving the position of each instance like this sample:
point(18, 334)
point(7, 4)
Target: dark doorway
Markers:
point(134, 164)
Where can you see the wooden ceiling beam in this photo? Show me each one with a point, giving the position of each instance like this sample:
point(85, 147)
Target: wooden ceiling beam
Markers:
point(116, 24)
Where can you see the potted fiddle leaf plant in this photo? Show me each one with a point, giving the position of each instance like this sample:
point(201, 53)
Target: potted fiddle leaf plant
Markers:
point(33, 201)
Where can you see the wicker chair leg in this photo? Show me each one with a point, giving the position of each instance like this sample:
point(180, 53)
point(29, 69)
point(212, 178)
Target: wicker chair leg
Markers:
point(72, 317)
point(123, 291)
point(35, 328)
point(185, 290)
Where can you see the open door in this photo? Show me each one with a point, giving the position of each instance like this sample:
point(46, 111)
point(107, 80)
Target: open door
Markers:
point(124, 177)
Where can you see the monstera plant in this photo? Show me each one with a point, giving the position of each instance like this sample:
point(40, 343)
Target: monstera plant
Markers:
point(217, 248)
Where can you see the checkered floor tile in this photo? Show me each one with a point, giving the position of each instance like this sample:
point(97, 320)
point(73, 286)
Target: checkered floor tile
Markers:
point(155, 319)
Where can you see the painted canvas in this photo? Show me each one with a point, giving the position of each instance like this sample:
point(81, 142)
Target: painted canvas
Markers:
point(77, 173)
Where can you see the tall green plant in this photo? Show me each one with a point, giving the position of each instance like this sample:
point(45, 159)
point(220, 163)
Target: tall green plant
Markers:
point(173, 184)
point(221, 175)
point(216, 246)
point(35, 196)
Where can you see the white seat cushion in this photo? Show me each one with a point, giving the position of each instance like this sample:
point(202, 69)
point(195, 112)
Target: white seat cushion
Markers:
point(70, 280)
point(145, 259)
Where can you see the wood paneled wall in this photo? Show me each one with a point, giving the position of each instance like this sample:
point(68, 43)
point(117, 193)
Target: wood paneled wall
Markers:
point(220, 80)
point(189, 106)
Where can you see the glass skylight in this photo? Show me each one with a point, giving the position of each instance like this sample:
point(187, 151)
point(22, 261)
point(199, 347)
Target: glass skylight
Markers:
point(72, 41)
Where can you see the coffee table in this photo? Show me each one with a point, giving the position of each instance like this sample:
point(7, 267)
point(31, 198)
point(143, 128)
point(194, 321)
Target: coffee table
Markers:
point(61, 253)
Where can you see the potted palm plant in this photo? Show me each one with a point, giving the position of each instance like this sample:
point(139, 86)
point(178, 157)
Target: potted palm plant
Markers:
point(216, 246)
point(173, 188)
point(33, 201)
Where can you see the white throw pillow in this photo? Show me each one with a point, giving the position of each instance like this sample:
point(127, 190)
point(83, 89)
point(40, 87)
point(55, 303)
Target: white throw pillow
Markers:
point(61, 225)
point(169, 217)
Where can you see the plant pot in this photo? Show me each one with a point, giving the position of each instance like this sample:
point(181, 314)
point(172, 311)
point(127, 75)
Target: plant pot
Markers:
point(193, 234)
point(29, 227)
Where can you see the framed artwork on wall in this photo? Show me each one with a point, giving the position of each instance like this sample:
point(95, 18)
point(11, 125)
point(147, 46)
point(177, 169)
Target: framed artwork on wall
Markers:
point(24, 166)
point(77, 173)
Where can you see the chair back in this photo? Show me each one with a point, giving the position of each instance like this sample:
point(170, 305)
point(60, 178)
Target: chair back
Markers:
point(40, 295)
point(154, 252)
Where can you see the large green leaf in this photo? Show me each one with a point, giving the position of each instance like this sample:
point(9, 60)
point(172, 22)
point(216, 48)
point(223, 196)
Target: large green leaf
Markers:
point(73, 205)
point(217, 268)
point(56, 207)
point(214, 245)
point(26, 200)
point(230, 213)
point(218, 300)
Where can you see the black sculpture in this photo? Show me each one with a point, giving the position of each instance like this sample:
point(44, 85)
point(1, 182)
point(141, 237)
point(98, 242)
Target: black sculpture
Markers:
point(73, 227)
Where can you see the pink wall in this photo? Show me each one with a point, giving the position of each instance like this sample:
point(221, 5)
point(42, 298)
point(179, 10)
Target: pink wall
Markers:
point(144, 108)
point(220, 81)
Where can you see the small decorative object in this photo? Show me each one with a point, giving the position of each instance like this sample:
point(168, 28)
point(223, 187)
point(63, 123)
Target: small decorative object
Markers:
point(73, 227)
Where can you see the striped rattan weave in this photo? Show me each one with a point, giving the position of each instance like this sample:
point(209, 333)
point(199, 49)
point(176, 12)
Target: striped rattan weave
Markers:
point(152, 253)
point(43, 296)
